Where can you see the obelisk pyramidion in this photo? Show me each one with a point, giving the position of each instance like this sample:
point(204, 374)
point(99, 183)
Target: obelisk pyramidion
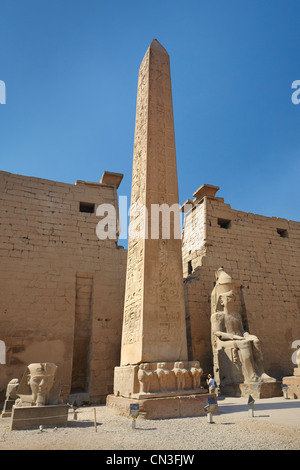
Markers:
point(154, 358)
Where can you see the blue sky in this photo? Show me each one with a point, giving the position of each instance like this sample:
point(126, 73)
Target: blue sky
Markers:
point(71, 68)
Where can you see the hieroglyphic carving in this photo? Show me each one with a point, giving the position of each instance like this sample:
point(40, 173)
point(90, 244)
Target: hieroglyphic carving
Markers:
point(154, 314)
point(134, 277)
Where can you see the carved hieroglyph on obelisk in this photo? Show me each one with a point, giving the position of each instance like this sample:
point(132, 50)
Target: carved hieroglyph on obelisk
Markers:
point(154, 314)
point(155, 372)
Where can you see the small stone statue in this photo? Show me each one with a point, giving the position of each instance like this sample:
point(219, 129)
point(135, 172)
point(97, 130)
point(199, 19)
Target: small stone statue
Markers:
point(11, 390)
point(39, 385)
point(144, 376)
point(163, 376)
point(180, 374)
point(196, 372)
point(10, 397)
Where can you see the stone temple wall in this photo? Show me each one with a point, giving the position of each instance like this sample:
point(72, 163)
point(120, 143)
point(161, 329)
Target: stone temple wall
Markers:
point(262, 254)
point(61, 287)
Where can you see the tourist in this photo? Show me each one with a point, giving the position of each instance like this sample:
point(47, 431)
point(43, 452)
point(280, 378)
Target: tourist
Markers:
point(211, 383)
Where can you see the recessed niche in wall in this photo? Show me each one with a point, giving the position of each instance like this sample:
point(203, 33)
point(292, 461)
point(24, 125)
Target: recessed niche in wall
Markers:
point(224, 223)
point(87, 207)
point(282, 232)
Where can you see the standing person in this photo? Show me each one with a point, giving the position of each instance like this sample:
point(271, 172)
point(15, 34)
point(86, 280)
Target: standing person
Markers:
point(211, 383)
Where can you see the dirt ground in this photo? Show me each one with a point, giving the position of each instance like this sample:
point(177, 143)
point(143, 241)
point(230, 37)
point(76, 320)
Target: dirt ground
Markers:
point(274, 426)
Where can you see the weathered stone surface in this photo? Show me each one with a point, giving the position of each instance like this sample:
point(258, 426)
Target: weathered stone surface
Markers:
point(147, 380)
point(31, 417)
point(162, 408)
point(154, 314)
point(154, 344)
point(237, 353)
point(39, 386)
point(261, 389)
point(264, 262)
point(10, 398)
point(62, 288)
point(293, 383)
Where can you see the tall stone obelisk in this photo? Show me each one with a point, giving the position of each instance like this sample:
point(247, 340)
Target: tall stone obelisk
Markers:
point(154, 358)
point(154, 312)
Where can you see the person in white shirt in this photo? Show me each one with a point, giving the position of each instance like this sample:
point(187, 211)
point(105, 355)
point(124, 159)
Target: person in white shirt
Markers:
point(211, 383)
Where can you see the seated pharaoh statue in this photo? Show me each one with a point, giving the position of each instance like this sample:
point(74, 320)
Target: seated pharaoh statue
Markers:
point(40, 386)
point(237, 353)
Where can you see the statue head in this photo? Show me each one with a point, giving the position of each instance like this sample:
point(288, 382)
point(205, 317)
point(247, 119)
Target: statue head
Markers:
point(162, 365)
point(222, 277)
point(40, 385)
point(224, 283)
point(196, 364)
point(226, 300)
point(179, 365)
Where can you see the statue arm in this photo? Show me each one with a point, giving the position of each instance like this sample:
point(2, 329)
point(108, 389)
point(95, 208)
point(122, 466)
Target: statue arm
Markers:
point(226, 336)
point(222, 335)
point(250, 337)
point(216, 325)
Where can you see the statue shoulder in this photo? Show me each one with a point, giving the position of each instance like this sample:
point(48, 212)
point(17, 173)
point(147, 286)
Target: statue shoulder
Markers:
point(217, 316)
point(236, 315)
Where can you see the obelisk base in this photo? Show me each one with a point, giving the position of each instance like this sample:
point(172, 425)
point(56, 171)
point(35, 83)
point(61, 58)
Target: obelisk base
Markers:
point(182, 406)
point(161, 389)
point(152, 379)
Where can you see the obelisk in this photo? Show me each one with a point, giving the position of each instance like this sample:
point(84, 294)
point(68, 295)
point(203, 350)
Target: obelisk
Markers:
point(154, 358)
point(154, 313)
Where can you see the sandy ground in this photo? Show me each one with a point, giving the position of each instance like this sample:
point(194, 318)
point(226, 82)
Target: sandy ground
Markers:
point(275, 426)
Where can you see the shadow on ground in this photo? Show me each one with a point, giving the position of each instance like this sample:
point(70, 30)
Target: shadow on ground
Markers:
point(233, 407)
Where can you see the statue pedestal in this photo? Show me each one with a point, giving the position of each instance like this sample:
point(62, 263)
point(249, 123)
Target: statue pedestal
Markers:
point(7, 409)
point(261, 389)
point(31, 417)
point(179, 406)
point(162, 390)
point(255, 389)
point(293, 383)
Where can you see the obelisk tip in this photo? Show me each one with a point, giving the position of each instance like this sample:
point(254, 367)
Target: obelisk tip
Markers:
point(156, 45)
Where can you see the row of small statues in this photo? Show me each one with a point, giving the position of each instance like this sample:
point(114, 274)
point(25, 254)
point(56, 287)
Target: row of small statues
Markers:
point(163, 374)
